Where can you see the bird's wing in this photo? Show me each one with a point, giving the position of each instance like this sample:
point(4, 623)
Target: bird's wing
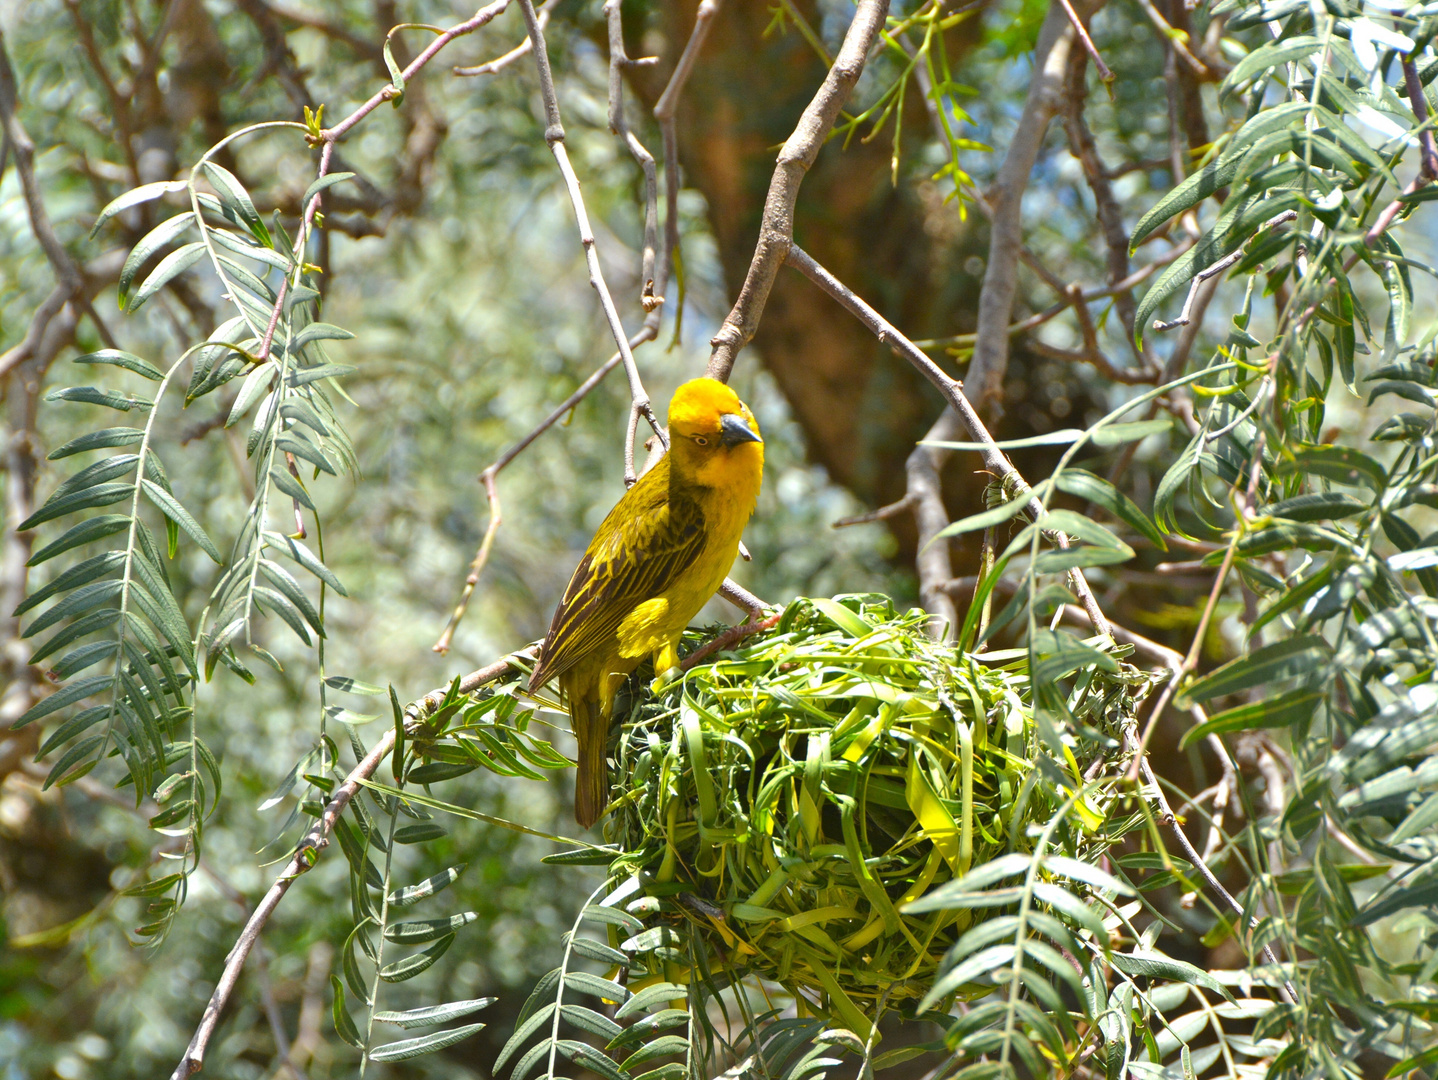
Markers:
point(644, 544)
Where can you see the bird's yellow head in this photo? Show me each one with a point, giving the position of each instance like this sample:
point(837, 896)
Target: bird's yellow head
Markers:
point(714, 437)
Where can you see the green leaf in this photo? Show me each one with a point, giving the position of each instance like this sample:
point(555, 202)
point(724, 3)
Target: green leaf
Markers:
point(110, 399)
point(345, 683)
point(1101, 493)
point(282, 478)
point(586, 983)
point(845, 618)
point(324, 183)
point(410, 966)
point(134, 197)
point(97, 440)
point(587, 1057)
point(591, 1022)
point(92, 623)
point(344, 1024)
point(307, 375)
point(87, 531)
point(1158, 965)
point(319, 331)
point(424, 1044)
point(418, 834)
point(1338, 463)
point(664, 1046)
point(306, 558)
point(233, 194)
point(1285, 710)
point(1132, 431)
point(1323, 506)
point(81, 600)
point(160, 236)
point(76, 691)
point(1398, 898)
point(986, 519)
point(434, 1014)
point(121, 359)
point(658, 994)
point(1285, 659)
point(413, 894)
point(1185, 196)
point(171, 508)
point(415, 933)
point(92, 569)
point(170, 267)
point(1267, 57)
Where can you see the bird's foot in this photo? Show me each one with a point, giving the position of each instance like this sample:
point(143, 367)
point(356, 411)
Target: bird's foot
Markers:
point(665, 678)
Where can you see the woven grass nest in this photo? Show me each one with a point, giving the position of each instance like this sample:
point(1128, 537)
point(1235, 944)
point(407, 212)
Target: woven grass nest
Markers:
point(786, 800)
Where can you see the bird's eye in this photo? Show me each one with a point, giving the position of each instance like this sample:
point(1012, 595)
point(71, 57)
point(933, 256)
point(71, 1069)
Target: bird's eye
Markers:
point(701, 440)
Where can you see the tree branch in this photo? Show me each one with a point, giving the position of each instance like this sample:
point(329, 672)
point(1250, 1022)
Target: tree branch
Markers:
point(953, 391)
point(307, 853)
point(996, 300)
point(776, 228)
point(554, 137)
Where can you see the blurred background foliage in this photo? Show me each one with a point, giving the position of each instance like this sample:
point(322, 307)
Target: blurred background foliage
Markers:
point(455, 263)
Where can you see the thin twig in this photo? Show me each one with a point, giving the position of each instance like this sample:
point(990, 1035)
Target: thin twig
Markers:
point(776, 228)
point(1219, 267)
point(1104, 72)
point(499, 63)
point(953, 391)
point(728, 638)
point(554, 138)
point(1419, 101)
point(307, 853)
point(664, 113)
point(883, 513)
point(618, 61)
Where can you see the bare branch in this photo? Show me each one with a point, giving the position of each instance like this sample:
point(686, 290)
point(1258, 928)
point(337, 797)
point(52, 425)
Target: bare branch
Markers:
point(307, 853)
point(883, 513)
point(664, 113)
point(776, 228)
point(554, 137)
point(953, 391)
point(996, 301)
point(1414, 86)
point(521, 50)
point(935, 568)
point(730, 637)
point(1082, 31)
point(1219, 267)
point(618, 61)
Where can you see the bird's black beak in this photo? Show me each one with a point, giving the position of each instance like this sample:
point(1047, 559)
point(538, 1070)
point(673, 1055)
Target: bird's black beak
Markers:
point(733, 430)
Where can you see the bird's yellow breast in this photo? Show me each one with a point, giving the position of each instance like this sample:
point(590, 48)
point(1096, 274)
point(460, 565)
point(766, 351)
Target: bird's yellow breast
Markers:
point(726, 488)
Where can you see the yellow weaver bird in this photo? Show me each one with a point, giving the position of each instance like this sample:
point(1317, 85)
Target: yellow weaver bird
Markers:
point(662, 552)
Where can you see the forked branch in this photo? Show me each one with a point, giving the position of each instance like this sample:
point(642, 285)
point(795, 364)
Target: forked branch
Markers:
point(776, 228)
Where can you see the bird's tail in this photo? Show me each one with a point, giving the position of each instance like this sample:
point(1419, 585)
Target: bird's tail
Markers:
point(591, 784)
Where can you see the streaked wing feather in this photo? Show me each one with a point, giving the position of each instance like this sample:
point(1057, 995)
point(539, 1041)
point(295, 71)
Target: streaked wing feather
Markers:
point(650, 545)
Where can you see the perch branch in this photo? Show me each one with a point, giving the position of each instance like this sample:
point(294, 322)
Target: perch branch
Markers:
point(305, 856)
point(776, 228)
point(953, 391)
point(554, 137)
